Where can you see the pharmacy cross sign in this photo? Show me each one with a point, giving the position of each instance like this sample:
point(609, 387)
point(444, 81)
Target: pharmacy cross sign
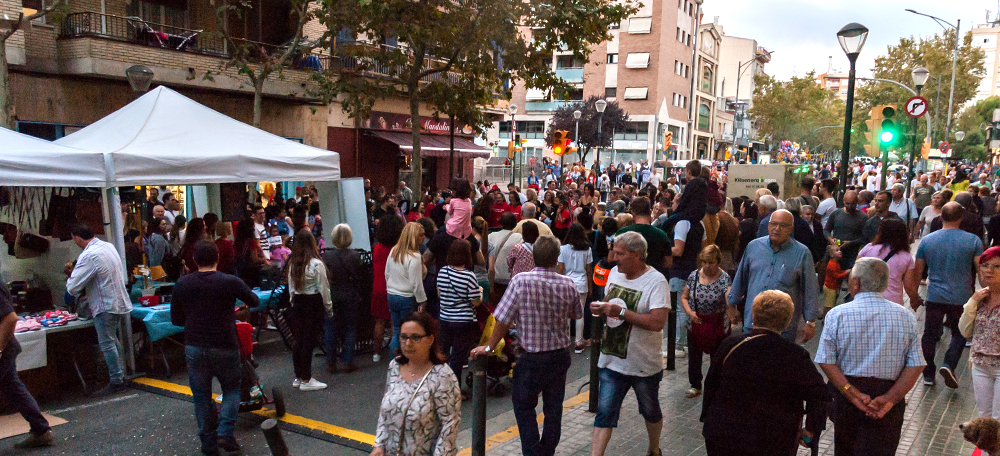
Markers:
point(916, 107)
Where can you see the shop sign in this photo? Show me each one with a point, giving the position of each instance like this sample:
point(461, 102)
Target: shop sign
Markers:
point(401, 122)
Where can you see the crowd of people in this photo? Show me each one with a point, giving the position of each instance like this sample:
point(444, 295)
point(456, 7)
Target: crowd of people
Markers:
point(748, 278)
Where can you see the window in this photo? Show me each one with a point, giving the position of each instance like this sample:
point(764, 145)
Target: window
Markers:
point(526, 128)
point(166, 12)
point(637, 60)
point(636, 93)
point(615, 26)
point(535, 95)
point(680, 100)
point(640, 25)
point(573, 94)
point(610, 92)
point(567, 61)
point(45, 130)
point(707, 79)
point(680, 69)
point(704, 117)
point(612, 58)
point(634, 131)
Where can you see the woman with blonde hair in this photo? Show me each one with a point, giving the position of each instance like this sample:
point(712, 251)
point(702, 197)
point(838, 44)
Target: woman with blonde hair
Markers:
point(310, 290)
point(759, 193)
point(404, 278)
point(346, 271)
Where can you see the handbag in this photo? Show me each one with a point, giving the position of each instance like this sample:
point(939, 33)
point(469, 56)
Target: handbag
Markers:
point(709, 333)
point(30, 246)
point(402, 427)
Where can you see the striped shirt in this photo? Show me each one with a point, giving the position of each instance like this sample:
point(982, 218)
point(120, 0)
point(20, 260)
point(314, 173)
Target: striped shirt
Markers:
point(870, 337)
point(457, 290)
point(540, 301)
point(99, 270)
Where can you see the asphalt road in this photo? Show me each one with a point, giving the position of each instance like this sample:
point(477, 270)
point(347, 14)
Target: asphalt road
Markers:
point(141, 422)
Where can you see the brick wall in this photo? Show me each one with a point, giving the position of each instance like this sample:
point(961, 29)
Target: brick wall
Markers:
point(12, 8)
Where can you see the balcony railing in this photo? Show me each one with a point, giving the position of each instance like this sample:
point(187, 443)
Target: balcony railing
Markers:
point(345, 60)
point(137, 31)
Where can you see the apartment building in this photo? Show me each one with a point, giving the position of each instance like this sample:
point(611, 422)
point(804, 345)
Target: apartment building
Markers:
point(645, 68)
point(834, 82)
point(707, 132)
point(69, 74)
point(740, 59)
point(985, 37)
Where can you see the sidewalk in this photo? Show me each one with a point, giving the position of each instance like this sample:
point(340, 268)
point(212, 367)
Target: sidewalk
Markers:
point(930, 427)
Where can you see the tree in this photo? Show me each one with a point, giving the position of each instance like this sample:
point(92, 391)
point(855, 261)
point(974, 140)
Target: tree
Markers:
point(8, 28)
point(494, 41)
point(973, 121)
point(798, 110)
point(934, 53)
point(259, 61)
point(614, 119)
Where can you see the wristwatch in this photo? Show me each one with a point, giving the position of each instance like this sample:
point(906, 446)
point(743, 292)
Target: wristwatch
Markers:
point(488, 349)
point(621, 315)
point(811, 323)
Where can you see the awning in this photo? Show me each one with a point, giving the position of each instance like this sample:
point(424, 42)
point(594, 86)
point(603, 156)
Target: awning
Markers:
point(435, 145)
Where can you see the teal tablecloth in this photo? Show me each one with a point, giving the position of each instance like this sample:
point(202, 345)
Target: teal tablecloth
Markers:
point(157, 318)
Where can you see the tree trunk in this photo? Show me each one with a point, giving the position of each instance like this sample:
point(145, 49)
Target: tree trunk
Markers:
point(417, 161)
point(258, 96)
point(5, 118)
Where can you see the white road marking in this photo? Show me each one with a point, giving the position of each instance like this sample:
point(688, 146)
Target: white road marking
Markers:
point(95, 404)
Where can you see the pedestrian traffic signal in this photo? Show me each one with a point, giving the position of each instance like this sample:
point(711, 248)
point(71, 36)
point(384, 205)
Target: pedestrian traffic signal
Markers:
point(889, 131)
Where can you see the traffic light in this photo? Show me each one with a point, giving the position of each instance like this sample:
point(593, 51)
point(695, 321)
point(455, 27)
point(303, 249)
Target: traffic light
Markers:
point(925, 149)
point(890, 131)
point(668, 140)
point(874, 124)
point(518, 142)
point(510, 149)
point(560, 142)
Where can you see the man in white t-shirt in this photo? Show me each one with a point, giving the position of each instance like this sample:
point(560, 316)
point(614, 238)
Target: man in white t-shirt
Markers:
point(827, 203)
point(260, 231)
point(636, 306)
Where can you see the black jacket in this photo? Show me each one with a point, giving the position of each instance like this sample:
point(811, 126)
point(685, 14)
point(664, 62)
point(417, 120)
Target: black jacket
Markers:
point(753, 402)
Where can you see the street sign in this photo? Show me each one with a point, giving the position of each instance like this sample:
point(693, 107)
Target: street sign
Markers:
point(916, 107)
point(944, 146)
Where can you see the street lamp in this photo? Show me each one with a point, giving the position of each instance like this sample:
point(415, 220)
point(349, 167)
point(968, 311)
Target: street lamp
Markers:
point(920, 76)
point(576, 138)
point(852, 38)
point(139, 77)
point(954, 61)
point(513, 136)
point(600, 105)
point(959, 135)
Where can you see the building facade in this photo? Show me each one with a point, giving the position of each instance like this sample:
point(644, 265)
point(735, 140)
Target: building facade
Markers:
point(740, 60)
point(985, 37)
point(646, 68)
point(834, 82)
point(704, 125)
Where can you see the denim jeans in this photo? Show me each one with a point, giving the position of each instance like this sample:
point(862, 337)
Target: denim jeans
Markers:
point(202, 365)
point(933, 325)
point(399, 308)
point(458, 338)
point(108, 326)
point(613, 388)
point(339, 334)
point(17, 395)
point(540, 373)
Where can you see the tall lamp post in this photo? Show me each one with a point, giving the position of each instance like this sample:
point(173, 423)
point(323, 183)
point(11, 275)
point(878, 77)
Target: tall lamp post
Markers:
point(513, 137)
point(852, 38)
point(576, 138)
point(954, 61)
point(919, 76)
point(600, 106)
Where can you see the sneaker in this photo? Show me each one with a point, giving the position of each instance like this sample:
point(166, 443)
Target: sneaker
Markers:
point(949, 377)
point(928, 381)
point(296, 383)
point(228, 443)
point(376, 358)
point(36, 441)
point(312, 385)
point(693, 393)
point(112, 388)
point(578, 349)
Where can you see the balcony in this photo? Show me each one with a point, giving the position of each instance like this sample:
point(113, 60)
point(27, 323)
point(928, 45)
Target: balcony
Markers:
point(545, 106)
point(571, 75)
point(346, 59)
point(136, 31)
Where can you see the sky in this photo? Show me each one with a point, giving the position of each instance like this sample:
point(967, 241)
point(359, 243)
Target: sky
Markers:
point(802, 34)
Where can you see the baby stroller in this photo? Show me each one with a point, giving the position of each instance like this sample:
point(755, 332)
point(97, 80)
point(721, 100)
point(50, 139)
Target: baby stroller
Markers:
point(252, 395)
point(499, 366)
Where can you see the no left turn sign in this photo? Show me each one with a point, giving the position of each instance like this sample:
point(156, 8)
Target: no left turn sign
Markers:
point(916, 107)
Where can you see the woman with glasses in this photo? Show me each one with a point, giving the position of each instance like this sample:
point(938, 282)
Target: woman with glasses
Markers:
point(404, 278)
point(421, 408)
point(981, 324)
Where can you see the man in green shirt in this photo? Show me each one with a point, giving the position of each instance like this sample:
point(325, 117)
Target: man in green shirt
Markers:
point(658, 251)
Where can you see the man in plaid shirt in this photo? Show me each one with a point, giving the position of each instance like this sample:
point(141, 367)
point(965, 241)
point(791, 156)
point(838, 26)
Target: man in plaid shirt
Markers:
point(541, 302)
point(870, 351)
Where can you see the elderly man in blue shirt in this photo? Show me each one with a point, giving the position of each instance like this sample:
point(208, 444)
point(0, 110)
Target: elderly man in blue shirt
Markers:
point(871, 354)
point(778, 262)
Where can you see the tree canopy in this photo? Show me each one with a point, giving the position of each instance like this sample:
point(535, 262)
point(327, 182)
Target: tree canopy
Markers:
point(796, 109)
point(400, 48)
point(973, 120)
point(614, 119)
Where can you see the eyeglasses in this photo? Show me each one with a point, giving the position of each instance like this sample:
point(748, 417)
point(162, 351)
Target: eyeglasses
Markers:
point(404, 338)
point(989, 266)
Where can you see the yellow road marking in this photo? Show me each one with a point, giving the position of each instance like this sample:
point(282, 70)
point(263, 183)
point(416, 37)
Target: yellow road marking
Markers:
point(507, 434)
point(269, 413)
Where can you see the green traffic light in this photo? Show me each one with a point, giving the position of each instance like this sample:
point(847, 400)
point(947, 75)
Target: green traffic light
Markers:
point(852, 130)
point(886, 136)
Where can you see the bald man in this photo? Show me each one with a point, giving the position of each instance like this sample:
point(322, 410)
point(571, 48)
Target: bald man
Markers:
point(778, 262)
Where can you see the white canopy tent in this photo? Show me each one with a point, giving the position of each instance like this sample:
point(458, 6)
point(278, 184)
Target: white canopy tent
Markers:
point(26, 161)
point(166, 138)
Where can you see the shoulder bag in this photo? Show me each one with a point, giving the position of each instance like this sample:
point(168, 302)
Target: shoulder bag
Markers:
point(406, 409)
